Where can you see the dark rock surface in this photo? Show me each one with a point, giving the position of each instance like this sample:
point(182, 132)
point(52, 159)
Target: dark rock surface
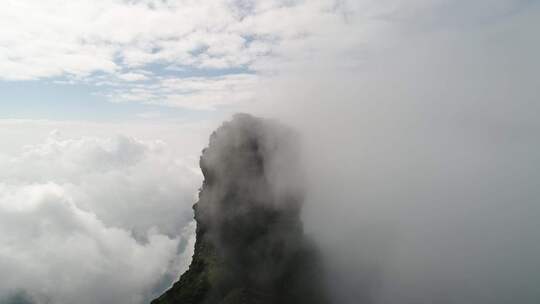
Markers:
point(250, 246)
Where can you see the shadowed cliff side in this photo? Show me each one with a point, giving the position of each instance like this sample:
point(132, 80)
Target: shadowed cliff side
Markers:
point(250, 245)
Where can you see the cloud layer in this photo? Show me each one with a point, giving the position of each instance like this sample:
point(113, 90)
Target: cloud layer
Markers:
point(213, 54)
point(193, 54)
point(93, 220)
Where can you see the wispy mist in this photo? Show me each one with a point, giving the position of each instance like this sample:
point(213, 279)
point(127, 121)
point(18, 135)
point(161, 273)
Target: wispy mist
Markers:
point(423, 160)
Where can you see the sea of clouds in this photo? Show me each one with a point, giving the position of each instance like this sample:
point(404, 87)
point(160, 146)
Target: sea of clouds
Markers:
point(94, 220)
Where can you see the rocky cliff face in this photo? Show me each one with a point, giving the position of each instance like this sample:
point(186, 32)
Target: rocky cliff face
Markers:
point(250, 245)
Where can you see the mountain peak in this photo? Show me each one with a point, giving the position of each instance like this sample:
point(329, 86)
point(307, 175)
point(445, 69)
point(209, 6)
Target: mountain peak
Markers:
point(250, 245)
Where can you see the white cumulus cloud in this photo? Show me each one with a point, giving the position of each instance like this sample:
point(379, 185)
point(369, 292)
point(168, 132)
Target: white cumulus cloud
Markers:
point(94, 220)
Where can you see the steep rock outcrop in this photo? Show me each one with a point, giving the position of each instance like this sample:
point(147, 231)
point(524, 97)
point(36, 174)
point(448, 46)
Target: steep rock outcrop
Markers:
point(250, 246)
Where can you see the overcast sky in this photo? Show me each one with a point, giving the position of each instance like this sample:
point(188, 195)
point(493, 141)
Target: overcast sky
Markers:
point(105, 106)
